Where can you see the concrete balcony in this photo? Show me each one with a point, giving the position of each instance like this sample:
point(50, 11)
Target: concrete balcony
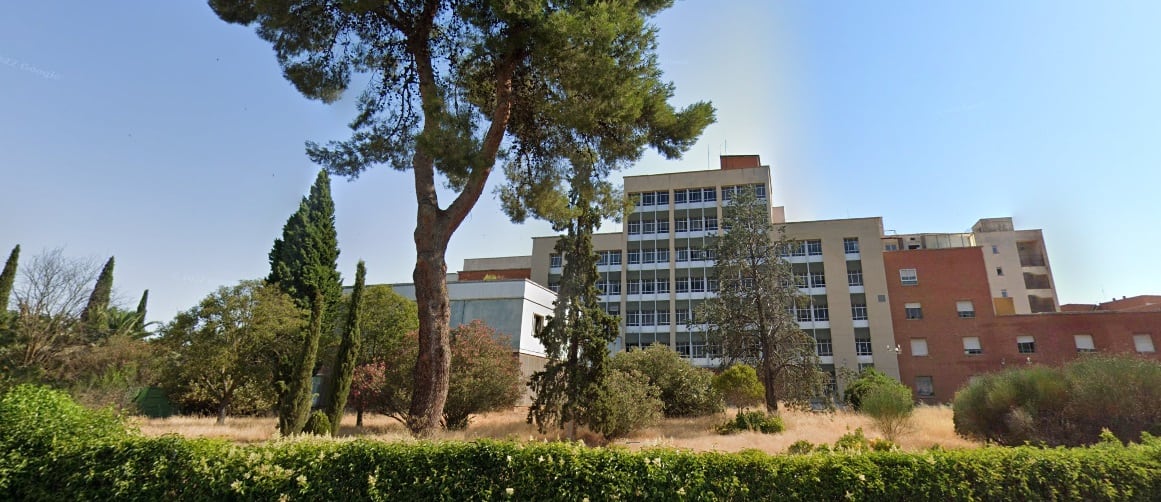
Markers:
point(662, 236)
point(853, 256)
point(649, 297)
point(857, 289)
point(814, 258)
point(647, 329)
point(695, 264)
point(862, 323)
point(695, 295)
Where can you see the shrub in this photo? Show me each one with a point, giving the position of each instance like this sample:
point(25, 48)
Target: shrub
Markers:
point(852, 442)
point(757, 421)
point(318, 424)
point(800, 447)
point(36, 418)
point(867, 379)
point(686, 390)
point(627, 402)
point(889, 404)
point(740, 387)
point(1069, 405)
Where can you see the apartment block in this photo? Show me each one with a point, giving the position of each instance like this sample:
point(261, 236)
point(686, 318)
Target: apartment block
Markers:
point(656, 271)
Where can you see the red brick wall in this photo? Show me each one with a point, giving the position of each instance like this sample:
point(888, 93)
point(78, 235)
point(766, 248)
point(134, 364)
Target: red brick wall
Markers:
point(740, 161)
point(513, 273)
point(948, 275)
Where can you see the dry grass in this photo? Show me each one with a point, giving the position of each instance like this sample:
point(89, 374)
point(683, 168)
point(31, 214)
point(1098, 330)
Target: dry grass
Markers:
point(931, 425)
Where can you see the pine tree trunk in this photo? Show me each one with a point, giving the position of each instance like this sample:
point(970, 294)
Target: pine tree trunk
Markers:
point(433, 366)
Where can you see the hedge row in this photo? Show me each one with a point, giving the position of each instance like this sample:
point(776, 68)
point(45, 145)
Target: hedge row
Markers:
point(51, 449)
point(171, 468)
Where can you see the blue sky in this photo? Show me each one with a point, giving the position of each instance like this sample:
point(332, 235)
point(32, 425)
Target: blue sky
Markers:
point(154, 132)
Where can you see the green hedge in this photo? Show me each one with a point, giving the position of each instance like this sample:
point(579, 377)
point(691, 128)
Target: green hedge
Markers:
point(93, 465)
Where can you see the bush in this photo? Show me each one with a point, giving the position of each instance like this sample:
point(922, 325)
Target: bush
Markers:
point(93, 465)
point(1069, 405)
point(686, 390)
point(852, 442)
point(318, 424)
point(740, 387)
point(757, 421)
point(34, 419)
point(627, 402)
point(800, 447)
point(889, 405)
point(868, 379)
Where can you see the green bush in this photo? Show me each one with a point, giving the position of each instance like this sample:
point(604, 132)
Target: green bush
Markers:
point(868, 379)
point(627, 402)
point(757, 421)
point(319, 424)
point(852, 442)
point(889, 404)
point(800, 447)
point(1069, 405)
point(686, 390)
point(740, 387)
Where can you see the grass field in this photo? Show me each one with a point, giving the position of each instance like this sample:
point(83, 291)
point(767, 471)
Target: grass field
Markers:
point(931, 425)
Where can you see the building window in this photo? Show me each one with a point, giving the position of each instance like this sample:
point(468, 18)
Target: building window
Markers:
point(1143, 343)
point(971, 346)
point(554, 261)
point(999, 270)
point(1084, 343)
point(891, 247)
point(709, 194)
point(908, 276)
point(924, 387)
point(679, 196)
point(797, 249)
point(648, 227)
point(682, 254)
point(817, 281)
point(760, 191)
point(814, 248)
point(634, 256)
point(663, 198)
point(613, 309)
point(851, 245)
point(965, 309)
point(918, 347)
point(554, 286)
point(1026, 344)
point(855, 277)
point(1003, 293)
point(663, 286)
point(821, 313)
point(682, 317)
point(648, 199)
point(634, 227)
point(681, 224)
point(802, 315)
point(862, 346)
point(859, 312)
point(995, 249)
point(913, 311)
point(537, 323)
point(711, 223)
point(824, 347)
point(662, 226)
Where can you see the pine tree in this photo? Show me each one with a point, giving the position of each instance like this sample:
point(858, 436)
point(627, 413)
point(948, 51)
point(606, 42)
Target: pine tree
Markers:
point(577, 338)
point(94, 318)
point(141, 305)
point(348, 355)
point(8, 279)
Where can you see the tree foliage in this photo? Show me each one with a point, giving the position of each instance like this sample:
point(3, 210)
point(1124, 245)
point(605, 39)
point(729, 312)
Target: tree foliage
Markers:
point(686, 390)
point(739, 386)
point(866, 380)
point(485, 376)
point(449, 82)
point(215, 351)
point(625, 402)
point(141, 311)
point(751, 316)
point(8, 279)
point(95, 316)
point(343, 369)
point(889, 404)
point(386, 318)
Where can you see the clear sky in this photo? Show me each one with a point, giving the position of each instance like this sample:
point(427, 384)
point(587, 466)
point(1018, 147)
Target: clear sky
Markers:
point(154, 132)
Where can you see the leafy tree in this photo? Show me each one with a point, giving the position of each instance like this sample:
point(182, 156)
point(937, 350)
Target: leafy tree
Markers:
point(686, 390)
point(576, 339)
point(303, 264)
point(8, 279)
point(751, 316)
point(344, 368)
point(866, 380)
point(215, 349)
point(386, 318)
point(95, 316)
point(368, 388)
point(449, 83)
point(485, 375)
point(739, 385)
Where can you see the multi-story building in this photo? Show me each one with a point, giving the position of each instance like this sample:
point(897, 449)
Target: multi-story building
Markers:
point(656, 271)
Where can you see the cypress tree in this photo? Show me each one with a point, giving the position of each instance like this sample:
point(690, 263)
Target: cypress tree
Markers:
point(303, 263)
point(94, 317)
point(139, 327)
point(8, 279)
point(301, 384)
point(348, 356)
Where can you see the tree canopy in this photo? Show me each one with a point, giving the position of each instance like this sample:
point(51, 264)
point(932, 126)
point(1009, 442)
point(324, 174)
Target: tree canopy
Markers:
point(751, 316)
point(449, 84)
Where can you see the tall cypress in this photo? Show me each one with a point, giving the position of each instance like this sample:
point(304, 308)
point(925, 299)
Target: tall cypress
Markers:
point(303, 263)
point(346, 359)
point(95, 315)
point(139, 327)
point(8, 279)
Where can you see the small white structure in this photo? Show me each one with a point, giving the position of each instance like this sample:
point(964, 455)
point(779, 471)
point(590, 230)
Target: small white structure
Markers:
point(516, 308)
